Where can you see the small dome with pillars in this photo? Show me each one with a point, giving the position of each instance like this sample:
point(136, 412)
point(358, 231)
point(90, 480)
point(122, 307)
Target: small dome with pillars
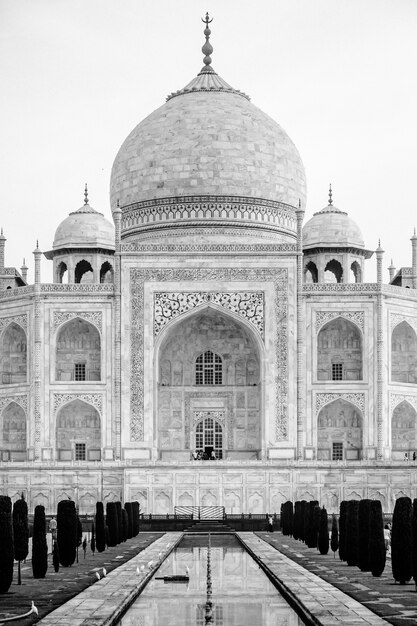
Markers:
point(332, 228)
point(85, 228)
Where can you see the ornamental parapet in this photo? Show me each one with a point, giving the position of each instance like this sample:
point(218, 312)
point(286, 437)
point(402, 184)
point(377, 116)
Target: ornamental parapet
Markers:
point(233, 211)
point(91, 288)
point(340, 288)
point(17, 292)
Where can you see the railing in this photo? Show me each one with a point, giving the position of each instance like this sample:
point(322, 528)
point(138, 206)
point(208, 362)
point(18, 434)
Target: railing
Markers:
point(201, 512)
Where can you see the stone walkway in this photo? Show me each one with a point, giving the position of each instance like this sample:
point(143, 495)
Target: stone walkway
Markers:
point(57, 588)
point(397, 604)
point(315, 598)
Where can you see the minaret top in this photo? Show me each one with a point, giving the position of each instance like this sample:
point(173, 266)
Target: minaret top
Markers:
point(85, 194)
point(330, 195)
point(207, 48)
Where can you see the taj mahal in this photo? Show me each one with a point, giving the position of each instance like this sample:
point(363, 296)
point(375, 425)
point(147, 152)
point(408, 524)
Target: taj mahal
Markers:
point(211, 346)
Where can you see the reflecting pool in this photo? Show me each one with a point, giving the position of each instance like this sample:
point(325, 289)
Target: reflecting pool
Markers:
point(241, 593)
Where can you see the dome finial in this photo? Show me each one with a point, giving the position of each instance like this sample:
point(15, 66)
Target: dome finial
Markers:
point(85, 194)
point(330, 195)
point(207, 48)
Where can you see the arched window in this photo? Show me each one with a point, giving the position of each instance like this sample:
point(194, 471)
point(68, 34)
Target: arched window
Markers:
point(339, 432)
point(78, 432)
point(208, 369)
point(78, 352)
point(311, 274)
point(333, 272)
point(13, 433)
point(83, 272)
point(13, 355)
point(404, 354)
point(356, 271)
point(339, 351)
point(404, 422)
point(62, 273)
point(106, 273)
point(209, 438)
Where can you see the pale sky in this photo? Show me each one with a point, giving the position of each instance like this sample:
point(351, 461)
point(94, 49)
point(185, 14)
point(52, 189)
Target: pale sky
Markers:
point(76, 76)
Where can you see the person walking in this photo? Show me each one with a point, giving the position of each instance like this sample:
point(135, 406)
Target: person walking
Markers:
point(270, 524)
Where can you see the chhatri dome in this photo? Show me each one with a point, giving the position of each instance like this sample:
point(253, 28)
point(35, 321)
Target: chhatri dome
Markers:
point(208, 140)
point(84, 228)
point(332, 227)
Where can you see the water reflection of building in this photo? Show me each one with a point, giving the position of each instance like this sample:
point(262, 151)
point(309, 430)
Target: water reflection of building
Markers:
point(207, 319)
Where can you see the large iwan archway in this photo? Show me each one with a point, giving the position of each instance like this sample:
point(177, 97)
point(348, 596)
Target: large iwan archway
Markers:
point(209, 388)
point(339, 432)
point(78, 432)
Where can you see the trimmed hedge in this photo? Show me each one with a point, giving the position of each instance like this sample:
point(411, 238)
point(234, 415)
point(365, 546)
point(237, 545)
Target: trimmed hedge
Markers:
point(287, 514)
point(352, 532)
point(342, 530)
point(67, 532)
point(6, 544)
point(39, 545)
point(334, 542)
point(112, 522)
point(119, 522)
point(124, 524)
point(129, 511)
point(309, 526)
point(136, 512)
point(377, 551)
point(401, 546)
point(414, 539)
point(364, 535)
point(20, 534)
point(323, 534)
point(301, 529)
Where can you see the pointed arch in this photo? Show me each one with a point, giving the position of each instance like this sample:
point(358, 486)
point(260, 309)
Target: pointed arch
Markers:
point(13, 354)
point(13, 432)
point(339, 431)
point(83, 272)
point(106, 273)
point(333, 272)
point(404, 354)
point(403, 430)
point(62, 273)
point(356, 270)
point(339, 351)
point(78, 432)
point(311, 274)
point(78, 351)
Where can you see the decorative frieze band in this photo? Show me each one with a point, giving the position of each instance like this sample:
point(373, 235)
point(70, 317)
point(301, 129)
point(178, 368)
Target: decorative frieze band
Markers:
point(277, 277)
point(358, 399)
point(95, 399)
point(22, 320)
point(357, 317)
point(396, 398)
point(246, 304)
point(137, 246)
point(21, 400)
point(94, 317)
point(397, 318)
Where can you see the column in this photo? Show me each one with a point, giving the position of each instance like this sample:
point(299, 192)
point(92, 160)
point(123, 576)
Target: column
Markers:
point(300, 337)
point(379, 353)
point(116, 404)
point(37, 352)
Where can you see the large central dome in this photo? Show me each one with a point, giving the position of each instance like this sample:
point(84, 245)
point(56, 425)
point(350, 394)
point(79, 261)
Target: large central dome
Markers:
point(208, 140)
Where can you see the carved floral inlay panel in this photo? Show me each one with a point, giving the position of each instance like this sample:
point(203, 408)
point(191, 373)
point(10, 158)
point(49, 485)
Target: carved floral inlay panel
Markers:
point(95, 399)
point(216, 415)
point(358, 399)
point(21, 400)
point(277, 277)
point(397, 318)
point(246, 304)
point(357, 317)
point(396, 398)
point(22, 320)
point(94, 317)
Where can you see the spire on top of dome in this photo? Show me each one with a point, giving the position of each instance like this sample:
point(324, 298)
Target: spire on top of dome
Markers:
point(330, 195)
point(207, 79)
point(85, 194)
point(330, 208)
point(86, 208)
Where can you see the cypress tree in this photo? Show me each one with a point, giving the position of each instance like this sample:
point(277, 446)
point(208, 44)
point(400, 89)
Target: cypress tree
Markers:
point(39, 545)
point(112, 523)
point(136, 512)
point(124, 524)
point(414, 539)
point(323, 534)
point(311, 536)
point(79, 534)
point(119, 522)
point(93, 539)
point(55, 557)
point(100, 528)
point(334, 542)
point(316, 523)
point(352, 532)
point(67, 532)
point(20, 533)
point(364, 530)
point(296, 520)
point(128, 507)
point(287, 518)
point(342, 530)
point(401, 548)
point(301, 530)
point(6, 544)
point(377, 552)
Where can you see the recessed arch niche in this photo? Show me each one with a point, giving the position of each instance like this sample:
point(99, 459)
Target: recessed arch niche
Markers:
point(13, 432)
point(404, 354)
point(339, 351)
point(78, 352)
point(403, 430)
point(339, 431)
point(13, 355)
point(78, 423)
point(235, 402)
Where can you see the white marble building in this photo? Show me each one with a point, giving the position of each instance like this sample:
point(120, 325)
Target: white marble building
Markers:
point(208, 318)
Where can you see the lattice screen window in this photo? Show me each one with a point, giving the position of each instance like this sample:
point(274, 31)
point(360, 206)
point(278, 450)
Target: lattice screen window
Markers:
point(208, 369)
point(80, 452)
point(337, 451)
point(79, 371)
point(337, 371)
